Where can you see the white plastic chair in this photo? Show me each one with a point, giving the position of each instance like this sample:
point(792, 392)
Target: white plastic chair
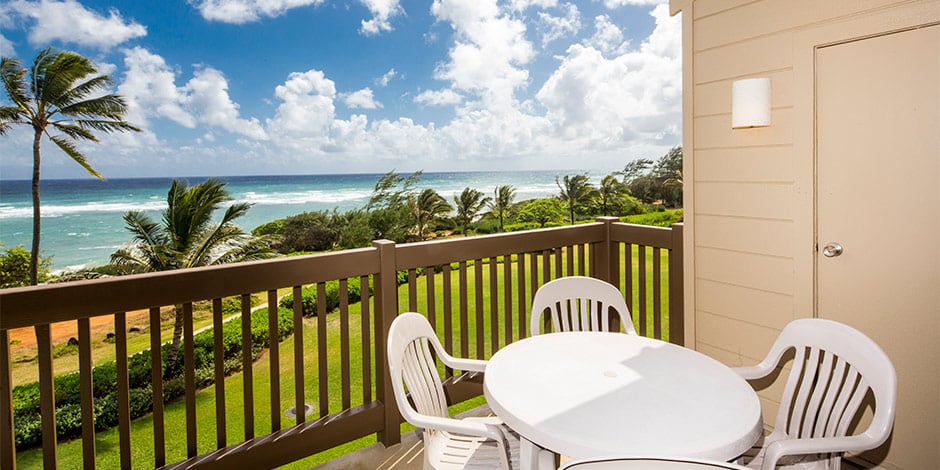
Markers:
point(578, 303)
point(449, 443)
point(649, 463)
point(833, 370)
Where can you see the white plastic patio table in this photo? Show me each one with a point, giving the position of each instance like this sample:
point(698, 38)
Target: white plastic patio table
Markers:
point(594, 394)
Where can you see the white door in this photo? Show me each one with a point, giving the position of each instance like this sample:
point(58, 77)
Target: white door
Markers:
point(878, 147)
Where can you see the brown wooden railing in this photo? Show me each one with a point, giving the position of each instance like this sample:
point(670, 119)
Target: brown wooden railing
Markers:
point(475, 291)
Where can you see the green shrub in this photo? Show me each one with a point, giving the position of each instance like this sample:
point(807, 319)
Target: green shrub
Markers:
point(28, 430)
point(309, 301)
point(28, 424)
point(68, 421)
point(663, 218)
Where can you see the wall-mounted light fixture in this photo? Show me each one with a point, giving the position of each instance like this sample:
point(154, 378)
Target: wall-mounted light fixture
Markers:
point(750, 103)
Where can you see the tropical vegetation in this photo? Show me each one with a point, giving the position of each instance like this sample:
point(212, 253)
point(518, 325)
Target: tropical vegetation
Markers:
point(187, 237)
point(62, 94)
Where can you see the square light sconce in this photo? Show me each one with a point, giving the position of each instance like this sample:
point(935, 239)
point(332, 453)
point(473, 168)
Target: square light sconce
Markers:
point(750, 103)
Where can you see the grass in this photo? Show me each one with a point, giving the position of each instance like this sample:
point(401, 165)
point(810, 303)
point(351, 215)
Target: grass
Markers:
point(107, 444)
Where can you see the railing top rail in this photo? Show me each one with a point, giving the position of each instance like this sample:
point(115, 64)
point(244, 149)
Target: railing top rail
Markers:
point(658, 237)
point(50, 303)
point(413, 255)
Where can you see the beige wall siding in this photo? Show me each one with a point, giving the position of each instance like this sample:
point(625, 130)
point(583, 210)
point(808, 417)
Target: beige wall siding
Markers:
point(747, 189)
point(749, 193)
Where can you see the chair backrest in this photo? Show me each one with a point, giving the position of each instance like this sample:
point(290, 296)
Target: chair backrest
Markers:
point(411, 364)
point(649, 463)
point(834, 368)
point(578, 303)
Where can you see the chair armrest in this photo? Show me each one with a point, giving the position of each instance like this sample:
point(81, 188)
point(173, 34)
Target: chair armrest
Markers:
point(467, 365)
point(753, 372)
point(819, 445)
point(460, 426)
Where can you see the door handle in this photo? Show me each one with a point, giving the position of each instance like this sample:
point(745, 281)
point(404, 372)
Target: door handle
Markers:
point(832, 250)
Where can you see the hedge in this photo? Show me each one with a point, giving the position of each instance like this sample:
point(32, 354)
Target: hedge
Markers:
point(27, 419)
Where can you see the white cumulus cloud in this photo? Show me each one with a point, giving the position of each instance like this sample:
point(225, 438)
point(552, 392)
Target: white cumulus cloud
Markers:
point(619, 3)
point(607, 38)
point(207, 92)
point(636, 95)
point(305, 116)
point(382, 13)
point(554, 27)
point(362, 99)
point(445, 97)
point(70, 22)
point(150, 90)
point(384, 80)
point(245, 11)
point(490, 50)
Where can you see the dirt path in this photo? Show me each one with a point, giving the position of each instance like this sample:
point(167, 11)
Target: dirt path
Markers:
point(23, 340)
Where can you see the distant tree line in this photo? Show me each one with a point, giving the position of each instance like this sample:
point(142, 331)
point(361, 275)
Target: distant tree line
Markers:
point(399, 210)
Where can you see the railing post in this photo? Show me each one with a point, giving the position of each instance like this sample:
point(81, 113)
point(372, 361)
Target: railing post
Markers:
point(602, 252)
point(676, 288)
point(386, 308)
point(7, 440)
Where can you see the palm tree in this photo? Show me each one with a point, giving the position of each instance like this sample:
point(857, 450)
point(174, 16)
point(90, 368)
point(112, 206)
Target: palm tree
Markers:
point(188, 238)
point(469, 203)
point(576, 191)
point(501, 203)
point(427, 207)
point(611, 193)
point(58, 97)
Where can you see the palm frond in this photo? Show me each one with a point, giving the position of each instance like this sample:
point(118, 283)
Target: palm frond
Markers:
point(69, 148)
point(74, 132)
point(55, 74)
point(78, 92)
point(110, 106)
point(13, 75)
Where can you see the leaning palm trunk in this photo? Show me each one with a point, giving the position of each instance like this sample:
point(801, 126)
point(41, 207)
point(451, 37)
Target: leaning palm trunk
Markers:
point(177, 336)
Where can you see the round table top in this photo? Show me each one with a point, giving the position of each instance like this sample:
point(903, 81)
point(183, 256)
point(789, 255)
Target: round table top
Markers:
point(587, 394)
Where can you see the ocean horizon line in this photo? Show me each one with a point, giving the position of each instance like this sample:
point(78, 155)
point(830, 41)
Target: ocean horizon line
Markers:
point(300, 175)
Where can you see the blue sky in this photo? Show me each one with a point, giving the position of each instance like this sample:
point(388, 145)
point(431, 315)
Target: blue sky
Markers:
point(233, 87)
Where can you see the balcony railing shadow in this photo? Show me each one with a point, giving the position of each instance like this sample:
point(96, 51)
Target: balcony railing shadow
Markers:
point(475, 292)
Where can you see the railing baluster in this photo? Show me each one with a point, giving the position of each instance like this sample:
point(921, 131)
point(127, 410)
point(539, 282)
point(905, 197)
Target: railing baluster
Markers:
point(156, 380)
point(86, 389)
point(412, 290)
point(274, 357)
point(7, 435)
point(507, 296)
point(448, 314)
point(432, 298)
point(123, 388)
point(46, 396)
point(219, 363)
point(300, 402)
point(189, 374)
point(641, 286)
point(344, 342)
point(559, 264)
point(582, 264)
point(523, 304)
point(494, 306)
point(569, 256)
point(657, 295)
point(247, 376)
point(628, 282)
point(322, 352)
point(365, 295)
point(464, 314)
point(480, 324)
point(546, 266)
point(7, 439)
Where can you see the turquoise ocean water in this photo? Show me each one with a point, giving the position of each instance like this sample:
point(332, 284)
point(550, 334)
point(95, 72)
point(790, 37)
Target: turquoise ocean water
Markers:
point(82, 225)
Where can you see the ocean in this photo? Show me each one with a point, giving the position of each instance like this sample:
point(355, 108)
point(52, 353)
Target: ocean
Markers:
point(82, 218)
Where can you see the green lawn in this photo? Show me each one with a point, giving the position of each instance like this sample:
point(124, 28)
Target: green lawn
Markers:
point(142, 428)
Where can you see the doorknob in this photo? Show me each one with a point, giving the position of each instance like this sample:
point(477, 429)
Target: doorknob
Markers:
point(832, 250)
